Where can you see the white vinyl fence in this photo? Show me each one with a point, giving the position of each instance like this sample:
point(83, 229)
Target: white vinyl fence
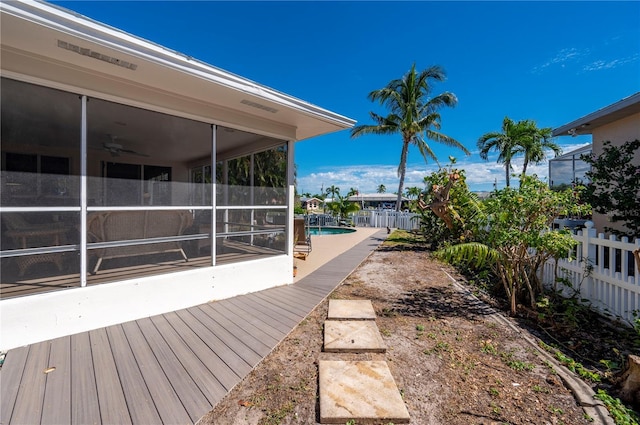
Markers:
point(386, 218)
point(604, 274)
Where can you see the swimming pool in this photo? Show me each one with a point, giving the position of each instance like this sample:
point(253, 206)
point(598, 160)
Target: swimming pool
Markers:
point(321, 231)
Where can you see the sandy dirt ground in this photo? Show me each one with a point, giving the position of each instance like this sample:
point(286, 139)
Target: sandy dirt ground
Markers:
point(453, 363)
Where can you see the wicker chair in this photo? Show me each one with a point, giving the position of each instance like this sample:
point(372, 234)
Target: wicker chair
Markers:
point(134, 225)
point(30, 235)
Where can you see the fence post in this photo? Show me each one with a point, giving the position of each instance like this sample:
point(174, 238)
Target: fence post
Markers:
point(588, 259)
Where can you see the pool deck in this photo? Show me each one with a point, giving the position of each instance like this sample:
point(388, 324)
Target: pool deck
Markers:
point(174, 367)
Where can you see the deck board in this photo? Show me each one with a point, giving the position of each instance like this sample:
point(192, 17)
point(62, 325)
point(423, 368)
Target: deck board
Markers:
point(245, 346)
point(28, 406)
point(113, 407)
point(170, 368)
point(212, 360)
point(261, 346)
point(135, 391)
point(287, 302)
point(250, 321)
point(10, 381)
point(279, 312)
point(162, 392)
point(182, 382)
point(56, 408)
point(84, 394)
point(230, 356)
point(251, 304)
point(204, 378)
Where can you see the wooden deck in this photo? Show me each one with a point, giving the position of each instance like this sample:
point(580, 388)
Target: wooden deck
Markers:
point(172, 368)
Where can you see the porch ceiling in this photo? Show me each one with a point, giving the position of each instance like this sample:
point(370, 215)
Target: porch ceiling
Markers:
point(44, 42)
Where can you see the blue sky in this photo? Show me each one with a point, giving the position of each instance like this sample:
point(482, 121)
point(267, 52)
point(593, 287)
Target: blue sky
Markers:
point(551, 62)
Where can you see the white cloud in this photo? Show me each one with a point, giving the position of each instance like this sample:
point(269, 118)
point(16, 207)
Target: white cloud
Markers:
point(610, 64)
point(481, 175)
point(565, 55)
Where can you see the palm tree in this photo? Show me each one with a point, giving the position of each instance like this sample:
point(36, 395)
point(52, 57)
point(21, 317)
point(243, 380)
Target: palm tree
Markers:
point(381, 189)
point(352, 191)
point(518, 138)
point(333, 191)
point(533, 147)
point(413, 115)
point(504, 142)
point(413, 192)
point(342, 207)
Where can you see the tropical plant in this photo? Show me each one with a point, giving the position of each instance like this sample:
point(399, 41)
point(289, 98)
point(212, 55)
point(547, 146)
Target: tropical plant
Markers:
point(413, 192)
point(514, 239)
point(535, 144)
point(461, 207)
point(342, 207)
point(614, 186)
point(504, 142)
point(413, 115)
point(518, 138)
point(352, 192)
point(381, 189)
point(333, 191)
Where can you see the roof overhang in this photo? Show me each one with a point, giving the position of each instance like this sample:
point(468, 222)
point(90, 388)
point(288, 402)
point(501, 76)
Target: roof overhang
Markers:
point(43, 42)
point(614, 112)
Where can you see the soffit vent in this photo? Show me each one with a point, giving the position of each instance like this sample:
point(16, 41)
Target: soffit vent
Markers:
point(259, 106)
point(96, 55)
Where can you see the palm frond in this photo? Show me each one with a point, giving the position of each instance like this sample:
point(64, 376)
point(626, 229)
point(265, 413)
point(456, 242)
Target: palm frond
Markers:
point(473, 253)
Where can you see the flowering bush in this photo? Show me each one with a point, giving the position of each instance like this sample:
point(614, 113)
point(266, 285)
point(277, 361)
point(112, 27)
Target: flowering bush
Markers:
point(513, 236)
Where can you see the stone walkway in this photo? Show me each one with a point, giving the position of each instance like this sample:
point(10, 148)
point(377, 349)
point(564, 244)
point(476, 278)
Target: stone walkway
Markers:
point(364, 391)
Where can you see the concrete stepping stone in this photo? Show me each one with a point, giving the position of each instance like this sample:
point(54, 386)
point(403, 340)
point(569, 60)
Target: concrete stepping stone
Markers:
point(352, 336)
point(360, 390)
point(351, 310)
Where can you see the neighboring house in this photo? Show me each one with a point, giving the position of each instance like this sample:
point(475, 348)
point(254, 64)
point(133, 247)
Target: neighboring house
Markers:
point(377, 200)
point(311, 205)
point(135, 180)
point(567, 169)
point(617, 123)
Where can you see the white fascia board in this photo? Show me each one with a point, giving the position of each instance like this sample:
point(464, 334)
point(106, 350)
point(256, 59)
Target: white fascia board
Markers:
point(66, 21)
point(578, 126)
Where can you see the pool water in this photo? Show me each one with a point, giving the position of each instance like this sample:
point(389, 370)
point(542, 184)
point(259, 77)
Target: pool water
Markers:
point(321, 231)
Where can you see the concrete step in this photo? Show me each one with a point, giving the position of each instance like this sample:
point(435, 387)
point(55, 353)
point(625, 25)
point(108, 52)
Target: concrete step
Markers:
point(360, 390)
point(352, 336)
point(351, 310)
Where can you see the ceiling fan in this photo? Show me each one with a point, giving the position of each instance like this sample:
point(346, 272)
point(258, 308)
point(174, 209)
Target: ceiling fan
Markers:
point(116, 148)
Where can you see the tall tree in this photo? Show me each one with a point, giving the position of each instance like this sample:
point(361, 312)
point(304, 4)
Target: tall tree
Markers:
point(535, 144)
point(413, 114)
point(504, 142)
point(333, 191)
point(413, 192)
point(518, 138)
point(381, 189)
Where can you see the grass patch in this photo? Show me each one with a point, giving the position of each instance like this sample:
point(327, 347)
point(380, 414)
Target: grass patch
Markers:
point(402, 237)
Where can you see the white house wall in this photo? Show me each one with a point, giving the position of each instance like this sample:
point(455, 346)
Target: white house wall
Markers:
point(618, 132)
point(26, 320)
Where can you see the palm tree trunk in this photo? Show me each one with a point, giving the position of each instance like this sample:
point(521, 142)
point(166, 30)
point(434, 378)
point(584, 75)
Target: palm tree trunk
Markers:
point(507, 166)
point(402, 168)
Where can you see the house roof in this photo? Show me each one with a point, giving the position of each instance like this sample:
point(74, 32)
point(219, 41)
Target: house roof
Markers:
point(44, 42)
point(628, 106)
point(569, 155)
point(376, 197)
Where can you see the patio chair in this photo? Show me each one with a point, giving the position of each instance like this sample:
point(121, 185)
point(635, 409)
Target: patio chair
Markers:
point(301, 238)
point(31, 235)
point(136, 225)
